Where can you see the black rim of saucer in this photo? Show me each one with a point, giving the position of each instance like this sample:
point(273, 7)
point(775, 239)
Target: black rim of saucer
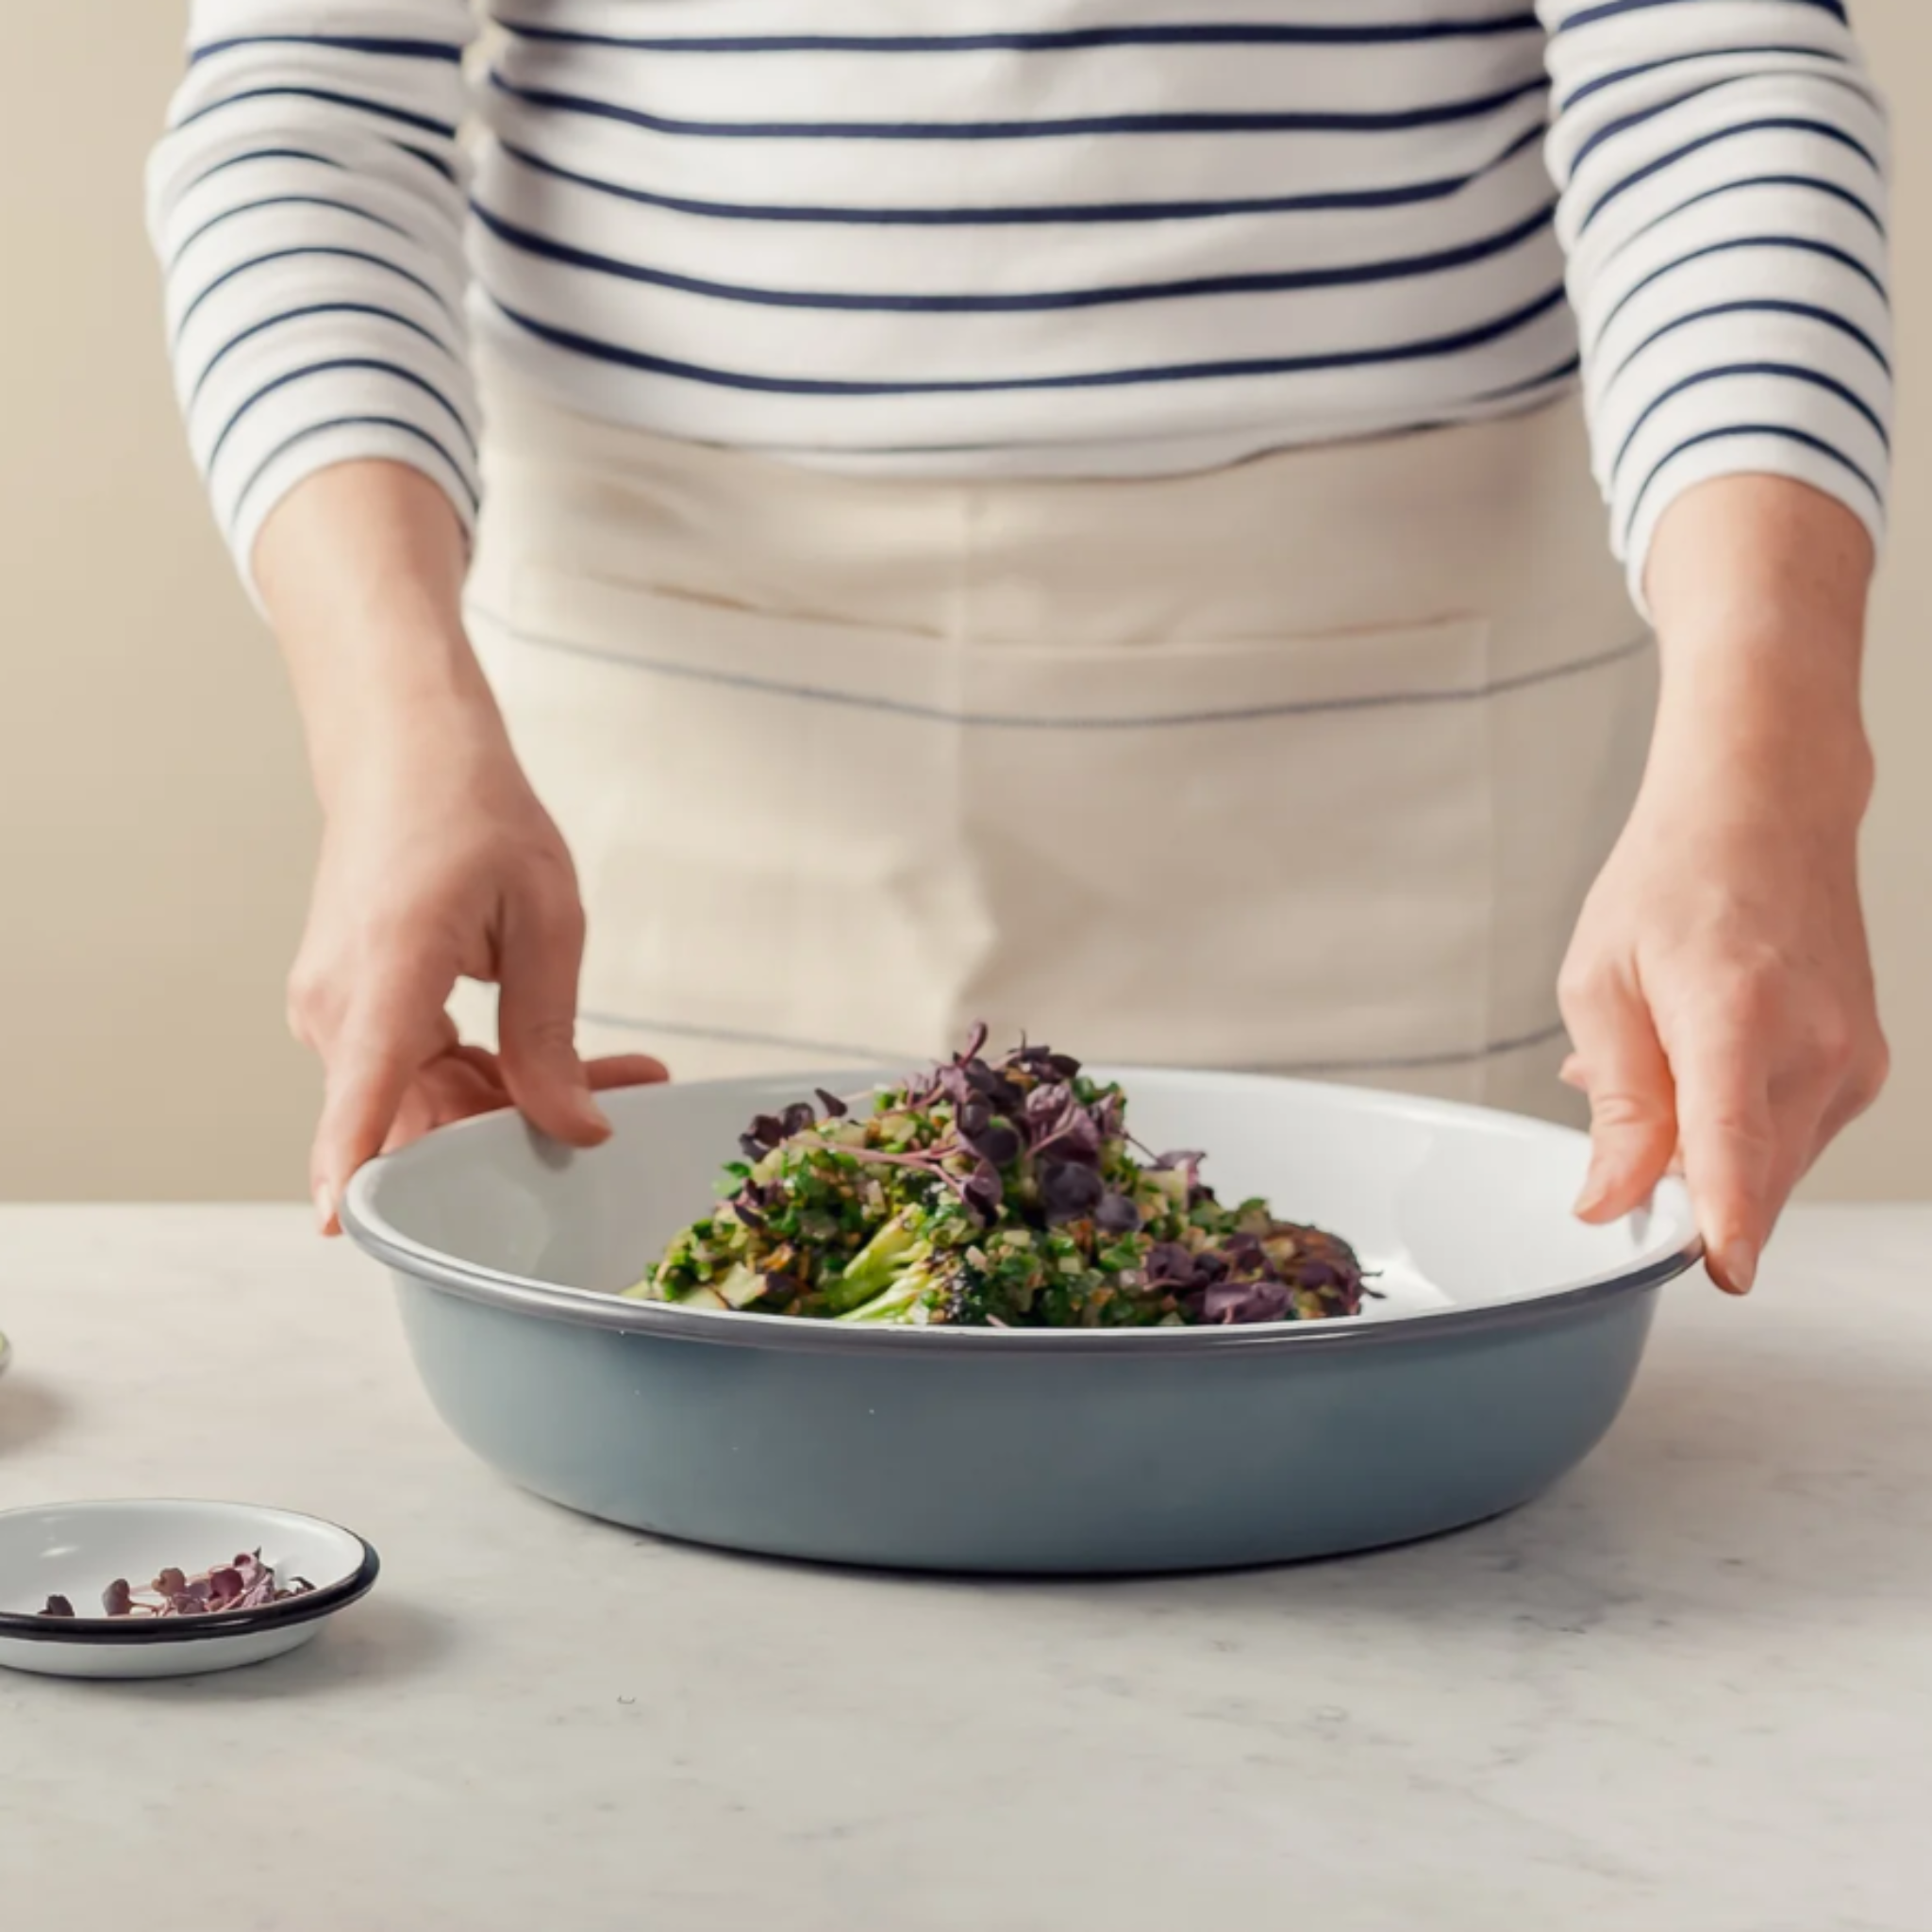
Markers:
point(216, 1623)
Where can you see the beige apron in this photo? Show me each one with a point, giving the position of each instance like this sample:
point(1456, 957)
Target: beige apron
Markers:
point(1301, 765)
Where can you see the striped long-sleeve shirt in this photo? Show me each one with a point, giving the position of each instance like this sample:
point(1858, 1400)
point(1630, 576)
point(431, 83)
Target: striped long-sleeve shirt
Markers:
point(1074, 236)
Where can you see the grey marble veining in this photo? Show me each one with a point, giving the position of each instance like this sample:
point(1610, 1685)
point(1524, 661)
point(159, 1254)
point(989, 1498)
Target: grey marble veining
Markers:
point(1690, 1692)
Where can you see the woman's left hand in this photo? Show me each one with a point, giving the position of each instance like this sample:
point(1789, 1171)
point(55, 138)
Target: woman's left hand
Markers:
point(1718, 989)
point(1719, 995)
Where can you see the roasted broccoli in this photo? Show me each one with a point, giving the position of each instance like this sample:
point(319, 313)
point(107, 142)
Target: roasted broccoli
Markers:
point(1003, 1193)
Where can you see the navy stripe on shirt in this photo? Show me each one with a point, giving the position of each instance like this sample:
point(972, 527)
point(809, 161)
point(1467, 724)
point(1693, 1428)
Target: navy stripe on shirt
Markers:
point(371, 363)
point(1355, 274)
point(1309, 121)
point(248, 207)
point(1791, 371)
point(256, 261)
point(1022, 214)
point(1784, 124)
point(1812, 184)
point(1802, 244)
point(1622, 77)
point(335, 44)
point(1457, 343)
point(1803, 312)
point(1783, 432)
point(1612, 9)
point(321, 428)
point(374, 311)
point(1203, 34)
point(1610, 130)
point(404, 117)
point(263, 154)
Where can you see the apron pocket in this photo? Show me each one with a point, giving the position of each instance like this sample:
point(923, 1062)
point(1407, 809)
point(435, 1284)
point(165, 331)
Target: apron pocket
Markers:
point(1268, 852)
point(1273, 854)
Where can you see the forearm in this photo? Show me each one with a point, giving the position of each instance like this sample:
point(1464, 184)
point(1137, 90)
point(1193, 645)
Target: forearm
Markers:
point(361, 568)
point(1759, 588)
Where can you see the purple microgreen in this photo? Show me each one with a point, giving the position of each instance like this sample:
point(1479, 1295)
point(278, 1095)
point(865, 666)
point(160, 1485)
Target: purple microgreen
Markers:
point(982, 1191)
point(1067, 1190)
point(1228, 1303)
point(1056, 1122)
point(994, 1088)
point(1117, 1214)
point(835, 1109)
point(1170, 1265)
point(248, 1583)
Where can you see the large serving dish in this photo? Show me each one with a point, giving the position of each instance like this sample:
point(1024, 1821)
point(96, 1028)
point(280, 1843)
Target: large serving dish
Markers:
point(1503, 1347)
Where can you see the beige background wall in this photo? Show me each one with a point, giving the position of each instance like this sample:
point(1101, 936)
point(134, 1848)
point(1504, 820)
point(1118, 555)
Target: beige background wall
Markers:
point(155, 828)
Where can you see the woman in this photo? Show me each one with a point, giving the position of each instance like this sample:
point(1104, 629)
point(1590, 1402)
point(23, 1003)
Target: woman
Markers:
point(1081, 519)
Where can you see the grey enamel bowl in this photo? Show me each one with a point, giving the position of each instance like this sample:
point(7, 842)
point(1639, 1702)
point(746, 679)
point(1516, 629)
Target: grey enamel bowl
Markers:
point(1503, 1347)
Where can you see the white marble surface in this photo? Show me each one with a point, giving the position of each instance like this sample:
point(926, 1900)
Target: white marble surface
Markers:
point(1690, 1691)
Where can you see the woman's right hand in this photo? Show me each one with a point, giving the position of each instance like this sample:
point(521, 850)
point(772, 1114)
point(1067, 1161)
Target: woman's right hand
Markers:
point(438, 862)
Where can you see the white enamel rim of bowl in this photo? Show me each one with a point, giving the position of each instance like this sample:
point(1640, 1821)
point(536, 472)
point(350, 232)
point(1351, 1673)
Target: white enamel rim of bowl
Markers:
point(366, 1226)
point(221, 1626)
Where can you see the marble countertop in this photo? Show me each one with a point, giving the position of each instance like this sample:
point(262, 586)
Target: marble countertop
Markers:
point(1689, 1691)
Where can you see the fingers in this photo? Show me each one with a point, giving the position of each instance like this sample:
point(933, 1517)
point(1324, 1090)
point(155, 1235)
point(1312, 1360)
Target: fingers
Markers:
point(1738, 1156)
point(542, 950)
point(455, 1087)
point(394, 1024)
point(626, 1070)
point(458, 1082)
point(1866, 1067)
point(1620, 1064)
point(1765, 1084)
point(465, 1081)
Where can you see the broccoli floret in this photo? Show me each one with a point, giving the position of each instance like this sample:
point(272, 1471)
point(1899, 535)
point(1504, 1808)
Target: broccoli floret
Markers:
point(922, 1291)
point(879, 1267)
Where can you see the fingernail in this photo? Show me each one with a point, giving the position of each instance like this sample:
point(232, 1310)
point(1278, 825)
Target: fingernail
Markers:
point(1593, 1195)
point(1738, 1264)
point(324, 1210)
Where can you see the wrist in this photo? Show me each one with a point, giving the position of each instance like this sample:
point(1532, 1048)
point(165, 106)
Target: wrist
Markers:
point(408, 701)
point(1780, 698)
point(1773, 753)
point(1759, 586)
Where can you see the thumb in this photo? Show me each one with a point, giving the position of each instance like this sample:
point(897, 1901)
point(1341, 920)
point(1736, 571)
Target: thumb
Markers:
point(542, 953)
point(1633, 1114)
